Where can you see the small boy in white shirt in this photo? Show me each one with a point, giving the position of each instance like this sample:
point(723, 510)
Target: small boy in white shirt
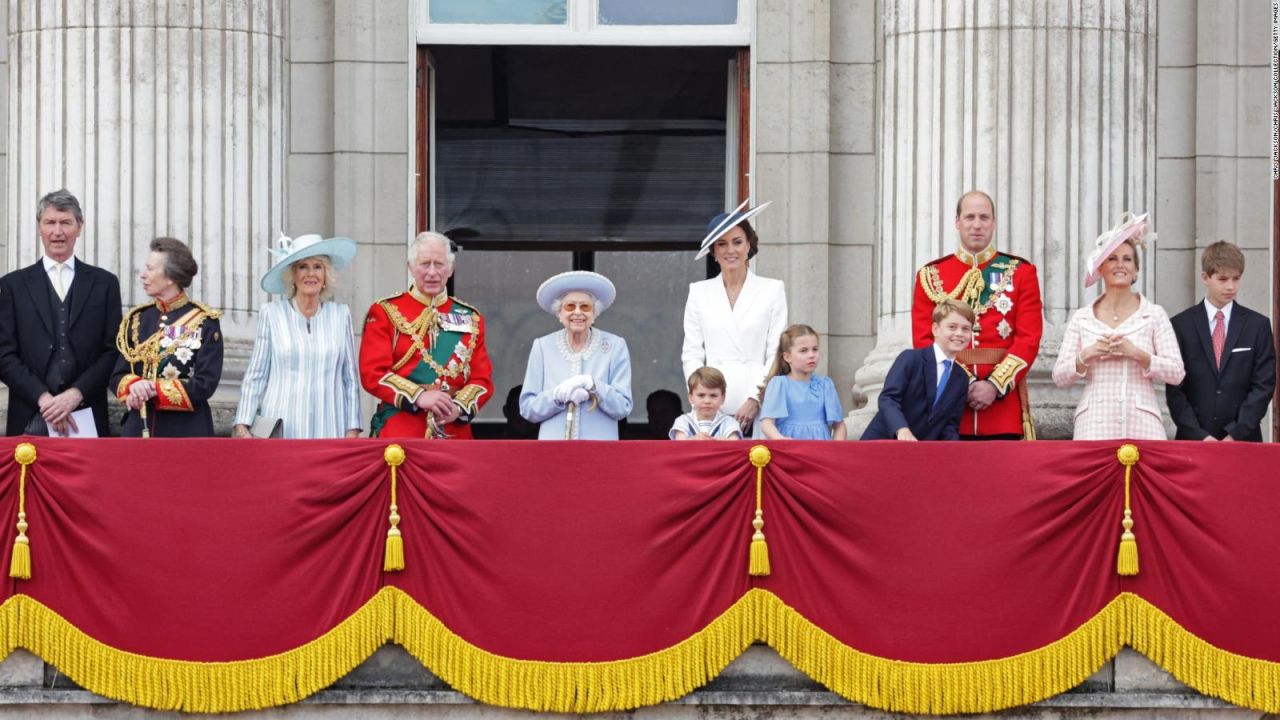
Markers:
point(706, 421)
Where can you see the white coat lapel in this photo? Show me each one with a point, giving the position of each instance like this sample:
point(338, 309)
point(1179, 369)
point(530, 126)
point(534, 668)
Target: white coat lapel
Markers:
point(751, 289)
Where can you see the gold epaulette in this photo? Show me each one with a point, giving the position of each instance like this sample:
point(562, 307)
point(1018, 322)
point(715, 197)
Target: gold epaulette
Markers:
point(138, 308)
point(382, 302)
point(468, 306)
point(1020, 259)
point(208, 311)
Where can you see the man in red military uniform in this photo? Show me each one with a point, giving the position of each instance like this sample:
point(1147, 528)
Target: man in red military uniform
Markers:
point(423, 353)
point(1004, 292)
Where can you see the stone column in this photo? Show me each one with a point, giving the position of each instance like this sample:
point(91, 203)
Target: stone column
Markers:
point(164, 118)
point(791, 91)
point(1049, 108)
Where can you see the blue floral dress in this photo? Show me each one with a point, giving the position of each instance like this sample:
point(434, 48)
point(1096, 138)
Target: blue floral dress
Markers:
point(802, 410)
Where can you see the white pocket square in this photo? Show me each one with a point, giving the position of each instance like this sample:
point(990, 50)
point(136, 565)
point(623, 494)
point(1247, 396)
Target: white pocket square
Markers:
point(1236, 350)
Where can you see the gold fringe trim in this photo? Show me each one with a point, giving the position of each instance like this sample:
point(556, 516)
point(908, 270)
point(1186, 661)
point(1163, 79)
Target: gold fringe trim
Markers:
point(934, 688)
point(205, 687)
point(1243, 681)
point(578, 687)
point(991, 685)
point(945, 688)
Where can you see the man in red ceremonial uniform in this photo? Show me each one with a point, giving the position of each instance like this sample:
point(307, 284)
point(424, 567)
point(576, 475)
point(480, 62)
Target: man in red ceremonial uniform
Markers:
point(423, 353)
point(1004, 292)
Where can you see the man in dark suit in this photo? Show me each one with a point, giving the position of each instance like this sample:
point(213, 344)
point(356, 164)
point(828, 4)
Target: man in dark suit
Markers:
point(925, 392)
point(1229, 355)
point(58, 322)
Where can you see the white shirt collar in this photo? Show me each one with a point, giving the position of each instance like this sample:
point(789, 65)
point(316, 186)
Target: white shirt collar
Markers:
point(1211, 311)
point(938, 355)
point(50, 262)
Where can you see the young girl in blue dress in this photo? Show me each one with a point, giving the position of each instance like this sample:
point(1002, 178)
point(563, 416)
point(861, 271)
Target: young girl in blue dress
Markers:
point(799, 403)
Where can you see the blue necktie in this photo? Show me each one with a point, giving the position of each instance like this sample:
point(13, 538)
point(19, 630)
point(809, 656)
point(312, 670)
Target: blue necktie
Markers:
point(942, 381)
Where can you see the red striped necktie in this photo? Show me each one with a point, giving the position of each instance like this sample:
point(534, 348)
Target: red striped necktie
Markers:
point(1219, 337)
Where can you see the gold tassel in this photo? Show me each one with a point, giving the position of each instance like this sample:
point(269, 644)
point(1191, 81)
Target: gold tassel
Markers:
point(759, 549)
point(20, 561)
point(1127, 560)
point(759, 564)
point(393, 558)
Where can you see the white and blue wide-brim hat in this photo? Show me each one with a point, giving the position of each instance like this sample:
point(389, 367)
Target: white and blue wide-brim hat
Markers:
point(557, 286)
point(724, 222)
point(340, 251)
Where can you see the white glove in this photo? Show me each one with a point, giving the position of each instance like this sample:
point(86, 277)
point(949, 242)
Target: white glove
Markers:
point(586, 382)
point(561, 393)
point(579, 395)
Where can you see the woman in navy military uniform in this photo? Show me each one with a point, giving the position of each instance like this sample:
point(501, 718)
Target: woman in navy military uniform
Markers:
point(170, 351)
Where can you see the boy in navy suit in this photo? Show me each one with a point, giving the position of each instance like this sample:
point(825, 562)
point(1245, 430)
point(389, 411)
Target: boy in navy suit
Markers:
point(925, 392)
point(1229, 355)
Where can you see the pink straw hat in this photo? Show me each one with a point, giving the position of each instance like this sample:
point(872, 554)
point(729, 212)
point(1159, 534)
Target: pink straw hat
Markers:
point(1130, 226)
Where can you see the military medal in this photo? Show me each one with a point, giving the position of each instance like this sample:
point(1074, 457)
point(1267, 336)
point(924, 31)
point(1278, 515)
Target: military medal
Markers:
point(1004, 304)
point(1004, 328)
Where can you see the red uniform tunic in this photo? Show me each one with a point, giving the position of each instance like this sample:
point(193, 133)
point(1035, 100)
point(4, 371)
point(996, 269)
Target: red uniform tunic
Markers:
point(412, 344)
point(1004, 293)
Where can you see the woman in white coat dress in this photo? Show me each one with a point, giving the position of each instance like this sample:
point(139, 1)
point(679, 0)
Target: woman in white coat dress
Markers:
point(732, 322)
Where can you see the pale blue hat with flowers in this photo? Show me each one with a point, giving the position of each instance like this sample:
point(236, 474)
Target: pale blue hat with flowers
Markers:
point(340, 251)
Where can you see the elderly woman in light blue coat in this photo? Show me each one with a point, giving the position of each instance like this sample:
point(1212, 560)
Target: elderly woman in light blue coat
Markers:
point(578, 381)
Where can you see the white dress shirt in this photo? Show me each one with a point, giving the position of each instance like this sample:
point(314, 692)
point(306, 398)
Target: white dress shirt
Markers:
point(68, 272)
point(939, 357)
point(1212, 311)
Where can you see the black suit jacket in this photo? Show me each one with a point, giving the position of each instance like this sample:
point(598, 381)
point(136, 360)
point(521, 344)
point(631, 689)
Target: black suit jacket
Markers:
point(907, 399)
point(27, 340)
point(1233, 399)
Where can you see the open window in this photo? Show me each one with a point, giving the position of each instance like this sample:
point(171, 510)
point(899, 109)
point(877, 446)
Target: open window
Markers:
point(541, 159)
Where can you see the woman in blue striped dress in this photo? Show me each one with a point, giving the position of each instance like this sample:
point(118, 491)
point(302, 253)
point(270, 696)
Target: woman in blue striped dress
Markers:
point(303, 368)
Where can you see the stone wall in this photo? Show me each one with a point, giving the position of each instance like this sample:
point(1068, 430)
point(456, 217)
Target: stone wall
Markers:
point(815, 106)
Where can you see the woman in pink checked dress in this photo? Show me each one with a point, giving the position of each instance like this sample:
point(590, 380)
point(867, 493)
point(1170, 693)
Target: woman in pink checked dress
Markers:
point(1119, 344)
